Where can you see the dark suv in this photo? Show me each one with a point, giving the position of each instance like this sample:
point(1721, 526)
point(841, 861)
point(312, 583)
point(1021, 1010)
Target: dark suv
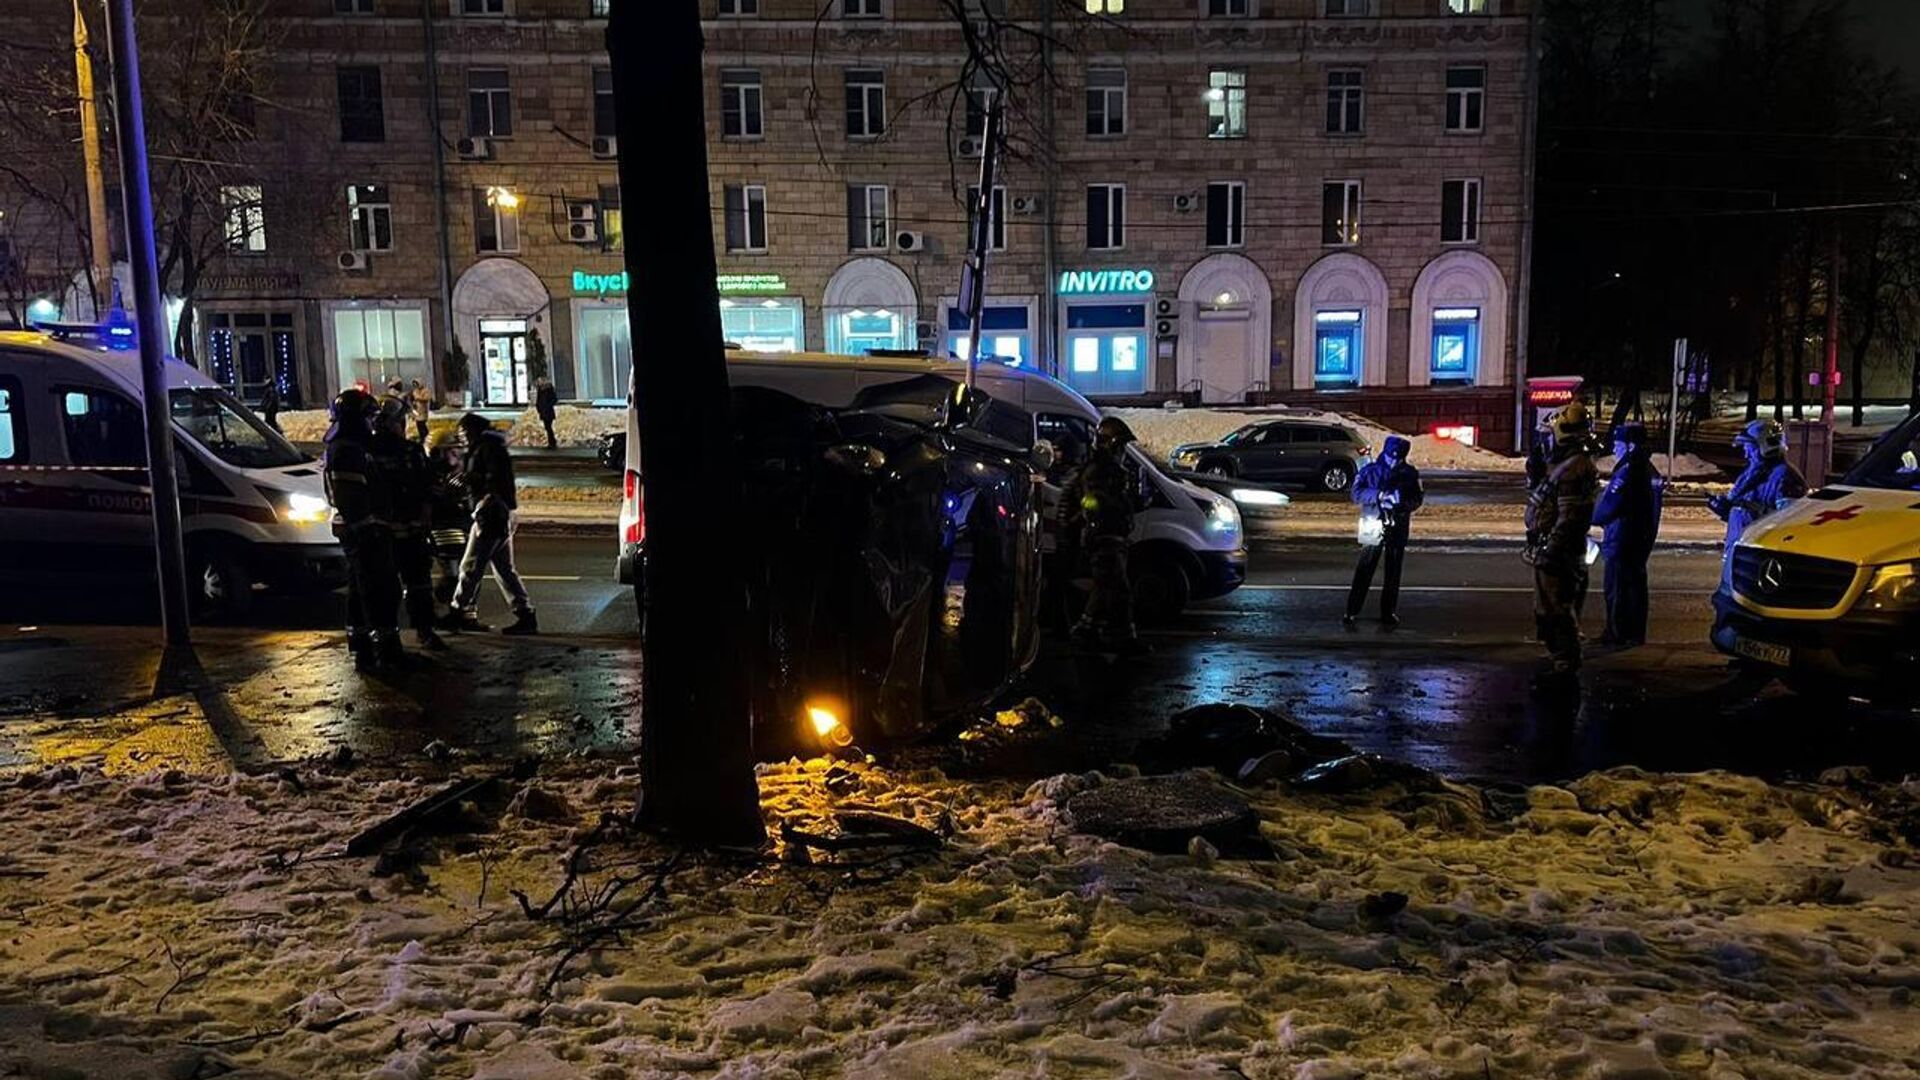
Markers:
point(1319, 454)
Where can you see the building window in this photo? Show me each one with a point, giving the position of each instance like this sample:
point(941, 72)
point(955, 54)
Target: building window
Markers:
point(1467, 7)
point(483, 7)
point(739, 8)
point(740, 98)
point(1346, 96)
point(1226, 7)
point(1106, 348)
point(369, 218)
point(1106, 7)
point(1005, 332)
point(866, 103)
point(996, 217)
point(1226, 105)
point(1337, 338)
point(746, 213)
point(1455, 356)
point(373, 346)
point(246, 218)
point(1106, 101)
point(1226, 214)
point(772, 324)
point(606, 353)
point(613, 232)
point(1340, 212)
point(604, 120)
point(1106, 216)
point(496, 220)
point(353, 7)
point(1460, 212)
point(1346, 7)
point(363, 115)
point(859, 9)
point(489, 103)
point(869, 227)
point(599, 9)
point(979, 100)
point(1466, 98)
point(102, 428)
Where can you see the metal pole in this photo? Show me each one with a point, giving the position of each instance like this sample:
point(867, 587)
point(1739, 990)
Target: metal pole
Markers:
point(136, 195)
point(97, 236)
point(1523, 300)
point(1830, 379)
point(982, 239)
point(1673, 401)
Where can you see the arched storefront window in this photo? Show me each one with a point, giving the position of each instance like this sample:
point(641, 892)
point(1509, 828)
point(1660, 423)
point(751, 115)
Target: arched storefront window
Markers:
point(870, 304)
point(1459, 329)
point(1340, 325)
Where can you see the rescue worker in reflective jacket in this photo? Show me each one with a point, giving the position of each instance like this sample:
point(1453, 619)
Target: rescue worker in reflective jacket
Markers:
point(1629, 516)
point(488, 470)
point(362, 505)
point(1388, 491)
point(1097, 506)
point(403, 466)
point(1768, 483)
point(1559, 513)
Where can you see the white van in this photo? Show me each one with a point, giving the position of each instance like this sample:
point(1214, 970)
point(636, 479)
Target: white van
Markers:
point(1187, 544)
point(74, 498)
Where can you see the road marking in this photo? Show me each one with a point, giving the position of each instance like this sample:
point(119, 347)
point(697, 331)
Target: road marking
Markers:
point(549, 577)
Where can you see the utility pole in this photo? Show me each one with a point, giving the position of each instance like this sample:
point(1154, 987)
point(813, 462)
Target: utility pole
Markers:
point(973, 276)
point(1830, 378)
point(102, 268)
point(136, 195)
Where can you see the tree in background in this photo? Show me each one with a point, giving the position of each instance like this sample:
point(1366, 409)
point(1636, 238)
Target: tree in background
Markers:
point(537, 367)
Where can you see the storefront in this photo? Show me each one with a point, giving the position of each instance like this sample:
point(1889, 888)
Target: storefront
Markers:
point(1103, 327)
point(870, 304)
point(1340, 325)
point(249, 350)
point(757, 314)
point(1455, 355)
point(1459, 332)
point(375, 342)
point(1338, 335)
point(498, 305)
point(1225, 329)
point(1006, 329)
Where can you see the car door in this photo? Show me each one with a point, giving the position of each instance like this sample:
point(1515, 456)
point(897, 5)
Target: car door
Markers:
point(1261, 452)
point(1310, 449)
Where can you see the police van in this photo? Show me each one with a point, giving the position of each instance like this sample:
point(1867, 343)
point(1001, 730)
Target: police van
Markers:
point(1826, 591)
point(1187, 544)
point(75, 504)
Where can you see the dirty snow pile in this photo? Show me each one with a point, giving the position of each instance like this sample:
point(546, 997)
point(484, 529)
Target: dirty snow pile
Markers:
point(573, 426)
point(303, 425)
point(1625, 925)
point(1160, 430)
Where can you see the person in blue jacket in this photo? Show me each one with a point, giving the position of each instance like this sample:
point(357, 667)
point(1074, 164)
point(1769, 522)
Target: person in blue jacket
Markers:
point(1388, 491)
point(1768, 483)
point(1629, 515)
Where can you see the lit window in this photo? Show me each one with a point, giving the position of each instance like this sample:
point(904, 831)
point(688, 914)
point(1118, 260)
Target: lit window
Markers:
point(1227, 105)
point(496, 220)
point(1106, 7)
point(369, 218)
point(246, 218)
point(1467, 7)
point(1340, 212)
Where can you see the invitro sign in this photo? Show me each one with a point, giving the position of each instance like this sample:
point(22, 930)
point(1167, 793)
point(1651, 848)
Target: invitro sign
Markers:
point(1099, 282)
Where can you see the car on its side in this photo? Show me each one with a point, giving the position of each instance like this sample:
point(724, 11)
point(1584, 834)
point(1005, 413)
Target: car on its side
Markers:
point(1319, 454)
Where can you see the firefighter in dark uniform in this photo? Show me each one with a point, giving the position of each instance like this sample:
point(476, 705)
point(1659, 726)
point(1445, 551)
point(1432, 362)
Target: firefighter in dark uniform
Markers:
point(1097, 507)
point(403, 466)
point(1559, 513)
point(362, 506)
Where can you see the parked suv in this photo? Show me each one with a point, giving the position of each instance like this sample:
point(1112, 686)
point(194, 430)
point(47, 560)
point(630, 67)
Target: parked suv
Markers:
point(1317, 453)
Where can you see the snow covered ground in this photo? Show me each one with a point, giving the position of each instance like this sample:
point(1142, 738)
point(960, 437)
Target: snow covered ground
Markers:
point(1160, 430)
point(573, 425)
point(1625, 925)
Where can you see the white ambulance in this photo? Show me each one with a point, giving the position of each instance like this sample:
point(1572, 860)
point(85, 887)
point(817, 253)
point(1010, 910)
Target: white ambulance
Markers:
point(75, 506)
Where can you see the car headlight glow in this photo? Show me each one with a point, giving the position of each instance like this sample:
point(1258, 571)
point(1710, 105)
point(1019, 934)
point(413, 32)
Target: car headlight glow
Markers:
point(1258, 497)
point(1894, 586)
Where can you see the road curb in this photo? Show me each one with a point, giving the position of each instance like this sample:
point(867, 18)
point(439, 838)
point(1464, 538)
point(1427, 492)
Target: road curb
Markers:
point(1476, 543)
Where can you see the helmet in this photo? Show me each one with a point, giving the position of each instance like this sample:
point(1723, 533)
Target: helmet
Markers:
point(1767, 435)
point(1114, 431)
point(1570, 422)
point(351, 413)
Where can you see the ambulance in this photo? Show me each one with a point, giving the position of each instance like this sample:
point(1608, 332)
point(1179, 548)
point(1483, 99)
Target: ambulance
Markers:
point(75, 507)
point(1826, 591)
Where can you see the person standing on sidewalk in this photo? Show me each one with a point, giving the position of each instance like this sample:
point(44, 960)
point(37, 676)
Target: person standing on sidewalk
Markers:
point(546, 400)
point(420, 404)
point(1097, 505)
point(362, 506)
point(1559, 513)
point(270, 404)
point(404, 467)
point(1629, 516)
point(488, 470)
point(1388, 491)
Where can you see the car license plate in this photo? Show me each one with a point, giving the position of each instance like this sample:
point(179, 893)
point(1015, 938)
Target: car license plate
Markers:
point(1764, 651)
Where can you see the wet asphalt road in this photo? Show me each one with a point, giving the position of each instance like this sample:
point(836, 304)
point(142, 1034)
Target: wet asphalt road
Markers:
point(1450, 689)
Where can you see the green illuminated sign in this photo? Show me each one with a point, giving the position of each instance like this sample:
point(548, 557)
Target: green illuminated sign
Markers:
point(751, 283)
point(599, 284)
point(1098, 282)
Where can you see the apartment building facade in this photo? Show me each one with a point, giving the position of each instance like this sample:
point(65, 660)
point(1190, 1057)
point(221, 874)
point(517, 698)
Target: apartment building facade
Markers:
point(1227, 200)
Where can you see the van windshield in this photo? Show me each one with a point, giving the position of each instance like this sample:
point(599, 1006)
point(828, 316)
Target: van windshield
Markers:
point(229, 431)
point(1894, 461)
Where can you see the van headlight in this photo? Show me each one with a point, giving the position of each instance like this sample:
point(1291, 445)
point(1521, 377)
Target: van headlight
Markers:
point(1223, 519)
point(1894, 587)
point(297, 507)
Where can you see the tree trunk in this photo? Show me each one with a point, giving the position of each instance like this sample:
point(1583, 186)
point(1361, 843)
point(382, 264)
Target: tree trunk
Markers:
point(1779, 351)
point(696, 735)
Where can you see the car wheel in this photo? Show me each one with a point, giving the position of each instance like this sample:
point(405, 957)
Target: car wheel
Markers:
point(1217, 467)
point(221, 586)
point(1160, 589)
point(1336, 477)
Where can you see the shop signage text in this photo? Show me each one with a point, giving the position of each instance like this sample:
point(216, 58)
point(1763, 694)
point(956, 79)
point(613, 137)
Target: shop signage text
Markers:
point(1094, 282)
point(587, 283)
point(752, 283)
point(599, 284)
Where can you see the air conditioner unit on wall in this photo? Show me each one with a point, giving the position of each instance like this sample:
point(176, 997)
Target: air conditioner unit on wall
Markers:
point(352, 260)
point(583, 232)
point(1186, 204)
point(583, 210)
point(910, 241)
point(606, 146)
point(474, 148)
point(972, 146)
point(1026, 204)
point(1166, 317)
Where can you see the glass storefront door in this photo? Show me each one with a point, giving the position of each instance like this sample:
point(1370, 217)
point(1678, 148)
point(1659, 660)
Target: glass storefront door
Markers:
point(769, 324)
point(373, 346)
point(606, 354)
point(1336, 349)
point(1004, 333)
point(1107, 348)
point(249, 349)
point(1456, 346)
point(503, 352)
